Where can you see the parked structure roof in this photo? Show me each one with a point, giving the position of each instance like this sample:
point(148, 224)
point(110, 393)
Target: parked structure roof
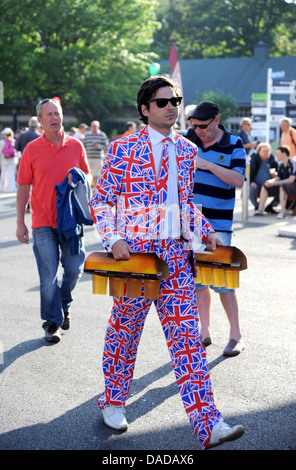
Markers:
point(239, 77)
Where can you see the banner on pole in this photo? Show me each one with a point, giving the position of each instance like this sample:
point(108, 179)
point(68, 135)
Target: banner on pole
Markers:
point(177, 77)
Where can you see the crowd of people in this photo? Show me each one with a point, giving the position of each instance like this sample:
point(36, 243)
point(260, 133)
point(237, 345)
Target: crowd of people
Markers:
point(272, 176)
point(200, 169)
point(265, 181)
point(93, 138)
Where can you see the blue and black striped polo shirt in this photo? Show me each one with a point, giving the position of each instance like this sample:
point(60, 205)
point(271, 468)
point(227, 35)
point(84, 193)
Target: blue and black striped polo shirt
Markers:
point(216, 199)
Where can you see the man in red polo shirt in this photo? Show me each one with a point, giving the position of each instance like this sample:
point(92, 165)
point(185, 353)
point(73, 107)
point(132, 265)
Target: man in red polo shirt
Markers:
point(45, 163)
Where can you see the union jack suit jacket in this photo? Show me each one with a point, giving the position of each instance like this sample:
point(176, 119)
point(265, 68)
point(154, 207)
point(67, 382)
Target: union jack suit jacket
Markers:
point(128, 185)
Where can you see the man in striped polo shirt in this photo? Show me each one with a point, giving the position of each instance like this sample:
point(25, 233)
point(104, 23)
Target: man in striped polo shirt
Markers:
point(96, 144)
point(220, 168)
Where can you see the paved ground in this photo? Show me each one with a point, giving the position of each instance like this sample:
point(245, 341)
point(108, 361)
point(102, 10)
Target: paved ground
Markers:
point(49, 392)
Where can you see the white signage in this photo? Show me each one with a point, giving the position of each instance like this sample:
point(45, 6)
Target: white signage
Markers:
point(278, 74)
point(276, 117)
point(281, 90)
point(257, 110)
point(260, 134)
point(277, 103)
point(259, 125)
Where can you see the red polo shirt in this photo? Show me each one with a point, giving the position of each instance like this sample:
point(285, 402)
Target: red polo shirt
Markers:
point(43, 165)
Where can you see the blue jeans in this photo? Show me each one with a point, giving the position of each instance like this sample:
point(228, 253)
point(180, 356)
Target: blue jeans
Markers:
point(55, 299)
point(225, 237)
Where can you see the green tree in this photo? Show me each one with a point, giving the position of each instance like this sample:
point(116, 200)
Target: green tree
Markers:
point(226, 103)
point(91, 53)
point(225, 28)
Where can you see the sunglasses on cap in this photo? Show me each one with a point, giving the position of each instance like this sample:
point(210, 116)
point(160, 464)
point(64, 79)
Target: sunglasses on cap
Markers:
point(162, 102)
point(46, 100)
point(203, 126)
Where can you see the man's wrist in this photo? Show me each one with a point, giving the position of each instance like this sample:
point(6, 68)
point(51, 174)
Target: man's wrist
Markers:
point(110, 241)
point(204, 239)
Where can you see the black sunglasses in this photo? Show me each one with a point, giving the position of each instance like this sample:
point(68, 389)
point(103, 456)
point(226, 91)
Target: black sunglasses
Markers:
point(203, 126)
point(162, 102)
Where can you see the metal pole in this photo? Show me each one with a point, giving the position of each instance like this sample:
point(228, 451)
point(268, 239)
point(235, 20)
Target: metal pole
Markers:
point(269, 72)
point(245, 195)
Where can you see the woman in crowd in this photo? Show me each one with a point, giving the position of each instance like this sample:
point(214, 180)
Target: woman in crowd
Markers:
point(8, 158)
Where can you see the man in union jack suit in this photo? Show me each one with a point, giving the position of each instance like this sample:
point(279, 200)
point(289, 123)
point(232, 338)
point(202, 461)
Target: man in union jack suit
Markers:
point(144, 203)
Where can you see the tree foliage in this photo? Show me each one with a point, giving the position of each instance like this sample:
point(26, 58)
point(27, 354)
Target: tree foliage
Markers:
point(226, 103)
point(225, 28)
point(91, 53)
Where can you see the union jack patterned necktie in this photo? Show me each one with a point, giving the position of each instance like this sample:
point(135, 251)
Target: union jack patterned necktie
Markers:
point(164, 169)
point(162, 186)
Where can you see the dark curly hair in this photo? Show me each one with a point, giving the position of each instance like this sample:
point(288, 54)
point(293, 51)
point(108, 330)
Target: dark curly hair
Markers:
point(148, 90)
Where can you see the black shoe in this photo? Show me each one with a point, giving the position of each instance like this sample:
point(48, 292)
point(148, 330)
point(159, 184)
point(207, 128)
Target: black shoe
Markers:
point(52, 334)
point(66, 324)
point(270, 210)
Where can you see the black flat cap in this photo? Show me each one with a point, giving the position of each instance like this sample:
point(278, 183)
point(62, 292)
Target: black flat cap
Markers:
point(205, 110)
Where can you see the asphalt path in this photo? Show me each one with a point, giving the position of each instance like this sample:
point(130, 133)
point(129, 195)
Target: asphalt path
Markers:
point(49, 391)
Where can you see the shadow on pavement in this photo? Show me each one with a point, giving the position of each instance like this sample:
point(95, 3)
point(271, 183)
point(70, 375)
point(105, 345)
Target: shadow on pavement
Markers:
point(82, 428)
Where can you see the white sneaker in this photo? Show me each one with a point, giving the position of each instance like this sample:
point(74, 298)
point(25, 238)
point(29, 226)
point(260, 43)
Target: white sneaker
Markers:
point(221, 432)
point(257, 212)
point(280, 215)
point(114, 417)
